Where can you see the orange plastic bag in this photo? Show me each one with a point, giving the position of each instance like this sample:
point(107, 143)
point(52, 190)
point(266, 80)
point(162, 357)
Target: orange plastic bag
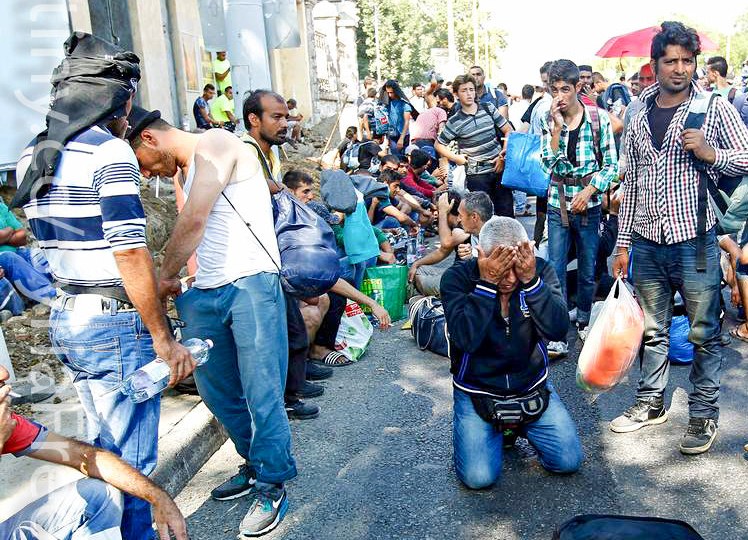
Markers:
point(612, 343)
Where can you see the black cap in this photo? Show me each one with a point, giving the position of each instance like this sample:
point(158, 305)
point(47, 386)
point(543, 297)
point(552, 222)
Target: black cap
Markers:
point(139, 119)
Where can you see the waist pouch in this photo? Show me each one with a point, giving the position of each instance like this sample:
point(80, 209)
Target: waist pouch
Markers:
point(513, 412)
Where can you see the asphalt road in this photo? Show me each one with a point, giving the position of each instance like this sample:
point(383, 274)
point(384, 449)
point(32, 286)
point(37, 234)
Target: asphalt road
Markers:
point(377, 462)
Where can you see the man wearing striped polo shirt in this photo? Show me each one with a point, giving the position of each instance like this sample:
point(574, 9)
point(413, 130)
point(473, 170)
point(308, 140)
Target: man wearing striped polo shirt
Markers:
point(476, 127)
point(80, 191)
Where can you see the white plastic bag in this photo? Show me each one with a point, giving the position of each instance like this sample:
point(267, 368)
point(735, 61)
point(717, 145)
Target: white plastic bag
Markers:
point(354, 333)
point(612, 343)
point(458, 178)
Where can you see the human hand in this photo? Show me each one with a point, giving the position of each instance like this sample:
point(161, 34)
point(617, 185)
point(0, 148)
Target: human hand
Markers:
point(440, 174)
point(694, 141)
point(580, 200)
point(494, 266)
point(168, 286)
point(167, 517)
point(556, 116)
point(412, 272)
point(498, 162)
point(461, 160)
point(465, 251)
point(387, 257)
point(177, 357)
point(621, 263)
point(524, 262)
point(444, 205)
point(382, 316)
point(7, 423)
point(400, 144)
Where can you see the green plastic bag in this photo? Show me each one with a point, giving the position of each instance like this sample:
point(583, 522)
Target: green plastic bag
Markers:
point(387, 285)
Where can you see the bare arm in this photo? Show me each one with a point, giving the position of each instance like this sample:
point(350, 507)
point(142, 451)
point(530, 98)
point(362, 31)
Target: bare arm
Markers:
point(139, 278)
point(102, 464)
point(444, 151)
point(345, 289)
point(221, 76)
point(13, 237)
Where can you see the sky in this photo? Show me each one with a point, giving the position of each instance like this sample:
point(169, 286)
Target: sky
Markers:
point(576, 30)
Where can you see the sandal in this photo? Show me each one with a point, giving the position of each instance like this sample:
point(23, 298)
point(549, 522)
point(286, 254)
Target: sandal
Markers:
point(737, 335)
point(334, 359)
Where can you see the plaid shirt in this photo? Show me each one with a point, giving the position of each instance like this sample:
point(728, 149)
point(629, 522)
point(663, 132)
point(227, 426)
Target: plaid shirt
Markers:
point(559, 164)
point(661, 194)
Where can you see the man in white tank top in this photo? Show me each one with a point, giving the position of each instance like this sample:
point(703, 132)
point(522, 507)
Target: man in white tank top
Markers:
point(236, 299)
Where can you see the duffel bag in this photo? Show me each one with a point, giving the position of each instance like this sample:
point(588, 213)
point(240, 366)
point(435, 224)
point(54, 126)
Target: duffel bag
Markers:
point(429, 325)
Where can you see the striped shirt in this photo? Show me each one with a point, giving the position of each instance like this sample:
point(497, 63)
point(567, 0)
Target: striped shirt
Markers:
point(476, 136)
point(661, 194)
point(559, 164)
point(92, 210)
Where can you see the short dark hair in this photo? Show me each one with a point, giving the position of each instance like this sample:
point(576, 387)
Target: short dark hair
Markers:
point(389, 176)
point(419, 158)
point(371, 92)
point(208, 87)
point(227, 89)
point(585, 67)
point(462, 80)
point(416, 85)
point(389, 158)
point(350, 132)
point(159, 124)
point(253, 104)
point(443, 93)
point(545, 67)
point(718, 64)
point(563, 71)
point(295, 178)
point(476, 67)
point(675, 33)
point(528, 91)
point(455, 198)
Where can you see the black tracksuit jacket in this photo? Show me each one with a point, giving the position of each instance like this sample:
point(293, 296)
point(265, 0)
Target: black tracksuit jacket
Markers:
point(487, 355)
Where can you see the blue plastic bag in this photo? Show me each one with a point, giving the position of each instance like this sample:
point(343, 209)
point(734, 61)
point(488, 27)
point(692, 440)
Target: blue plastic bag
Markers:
point(523, 170)
point(681, 350)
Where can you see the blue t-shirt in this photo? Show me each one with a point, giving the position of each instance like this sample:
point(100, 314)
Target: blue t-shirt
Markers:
point(396, 113)
point(200, 103)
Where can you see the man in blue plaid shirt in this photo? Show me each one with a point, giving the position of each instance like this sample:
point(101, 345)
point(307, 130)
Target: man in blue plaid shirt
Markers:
point(579, 152)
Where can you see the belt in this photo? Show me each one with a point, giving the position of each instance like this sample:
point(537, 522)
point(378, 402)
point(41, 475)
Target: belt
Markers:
point(92, 304)
point(116, 292)
point(561, 182)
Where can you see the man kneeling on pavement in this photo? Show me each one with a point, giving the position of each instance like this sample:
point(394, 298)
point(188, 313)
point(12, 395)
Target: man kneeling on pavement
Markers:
point(500, 307)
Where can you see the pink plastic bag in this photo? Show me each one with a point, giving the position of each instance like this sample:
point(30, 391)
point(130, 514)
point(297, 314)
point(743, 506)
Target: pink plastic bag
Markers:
point(612, 343)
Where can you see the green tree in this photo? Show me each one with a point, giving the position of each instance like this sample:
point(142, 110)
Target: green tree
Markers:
point(409, 29)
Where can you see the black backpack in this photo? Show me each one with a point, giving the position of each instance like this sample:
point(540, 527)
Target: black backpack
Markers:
point(429, 325)
point(604, 527)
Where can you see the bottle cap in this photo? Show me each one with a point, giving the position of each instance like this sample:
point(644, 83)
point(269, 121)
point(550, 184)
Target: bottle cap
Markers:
point(209, 343)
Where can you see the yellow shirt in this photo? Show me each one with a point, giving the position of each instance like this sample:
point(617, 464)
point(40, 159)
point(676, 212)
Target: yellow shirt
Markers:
point(219, 67)
point(219, 106)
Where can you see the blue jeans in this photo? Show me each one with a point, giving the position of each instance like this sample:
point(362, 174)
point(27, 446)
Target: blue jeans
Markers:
point(9, 298)
point(586, 238)
point(389, 223)
point(81, 510)
point(25, 277)
point(244, 380)
point(99, 351)
point(659, 271)
point(478, 445)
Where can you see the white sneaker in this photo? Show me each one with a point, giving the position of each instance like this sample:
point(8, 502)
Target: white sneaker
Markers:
point(573, 315)
point(557, 349)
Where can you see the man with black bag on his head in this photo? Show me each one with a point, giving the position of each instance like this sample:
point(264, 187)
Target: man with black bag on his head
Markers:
point(500, 308)
point(80, 191)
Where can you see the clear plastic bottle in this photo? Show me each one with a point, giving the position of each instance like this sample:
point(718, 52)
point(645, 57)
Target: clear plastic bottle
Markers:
point(153, 377)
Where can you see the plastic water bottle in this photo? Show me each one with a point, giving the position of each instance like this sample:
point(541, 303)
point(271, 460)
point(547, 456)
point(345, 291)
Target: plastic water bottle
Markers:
point(153, 377)
point(412, 253)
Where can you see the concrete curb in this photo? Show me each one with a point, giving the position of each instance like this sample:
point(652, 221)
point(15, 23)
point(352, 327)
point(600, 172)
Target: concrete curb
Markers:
point(187, 447)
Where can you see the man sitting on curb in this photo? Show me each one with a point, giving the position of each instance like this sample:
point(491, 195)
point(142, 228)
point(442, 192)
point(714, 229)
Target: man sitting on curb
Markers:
point(470, 213)
point(88, 508)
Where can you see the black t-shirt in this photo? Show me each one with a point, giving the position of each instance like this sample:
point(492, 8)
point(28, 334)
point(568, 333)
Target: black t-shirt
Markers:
point(659, 120)
point(571, 148)
point(528, 113)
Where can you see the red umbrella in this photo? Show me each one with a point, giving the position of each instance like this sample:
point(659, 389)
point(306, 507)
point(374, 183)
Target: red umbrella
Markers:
point(639, 44)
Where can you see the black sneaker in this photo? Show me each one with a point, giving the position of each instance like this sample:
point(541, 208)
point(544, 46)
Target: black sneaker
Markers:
point(645, 412)
point(309, 390)
point(699, 436)
point(315, 372)
point(298, 410)
point(236, 486)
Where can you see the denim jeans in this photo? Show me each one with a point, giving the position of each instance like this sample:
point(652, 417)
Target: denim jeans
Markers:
point(243, 382)
point(388, 223)
point(25, 277)
point(478, 445)
point(85, 509)
point(9, 298)
point(659, 271)
point(586, 238)
point(99, 351)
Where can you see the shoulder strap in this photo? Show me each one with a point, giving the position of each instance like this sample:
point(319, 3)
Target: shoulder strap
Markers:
point(731, 94)
point(596, 133)
point(263, 161)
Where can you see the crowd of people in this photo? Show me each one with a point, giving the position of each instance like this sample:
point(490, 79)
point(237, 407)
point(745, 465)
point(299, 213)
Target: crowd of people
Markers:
point(628, 170)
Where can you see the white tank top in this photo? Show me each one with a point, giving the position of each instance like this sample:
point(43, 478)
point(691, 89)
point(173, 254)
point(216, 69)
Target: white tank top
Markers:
point(228, 250)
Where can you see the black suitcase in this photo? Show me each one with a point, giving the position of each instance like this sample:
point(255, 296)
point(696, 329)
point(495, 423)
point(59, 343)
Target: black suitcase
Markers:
point(605, 527)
